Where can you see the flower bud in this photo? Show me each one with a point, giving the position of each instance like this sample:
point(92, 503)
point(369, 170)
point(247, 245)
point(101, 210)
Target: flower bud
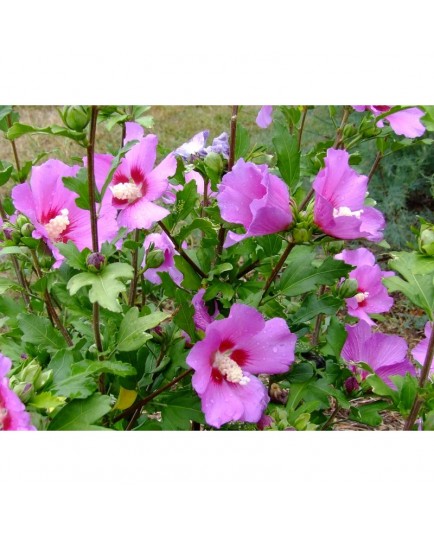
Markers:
point(76, 117)
point(95, 262)
point(27, 229)
point(348, 289)
point(16, 237)
point(426, 239)
point(22, 220)
point(46, 262)
point(371, 132)
point(42, 379)
point(349, 130)
point(351, 384)
point(336, 246)
point(7, 231)
point(24, 390)
point(214, 162)
point(155, 258)
point(301, 235)
point(30, 373)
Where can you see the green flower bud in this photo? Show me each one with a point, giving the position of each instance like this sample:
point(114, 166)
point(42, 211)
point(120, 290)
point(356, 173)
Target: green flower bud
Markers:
point(27, 229)
point(214, 162)
point(42, 379)
point(76, 117)
point(46, 262)
point(95, 262)
point(335, 247)
point(426, 239)
point(16, 237)
point(349, 131)
point(30, 373)
point(24, 390)
point(371, 132)
point(21, 220)
point(155, 258)
point(301, 235)
point(348, 289)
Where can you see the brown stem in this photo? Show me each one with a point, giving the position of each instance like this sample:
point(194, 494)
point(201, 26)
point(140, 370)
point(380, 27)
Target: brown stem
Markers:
point(422, 381)
point(300, 132)
point(133, 286)
point(140, 403)
point(277, 268)
point(331, 418)
point(49, 304)
point(231, 161)
point(306, 200)
point(246, 269)
point(374, 167)
point(318, 321)
point(182, 252)
point(14, 146)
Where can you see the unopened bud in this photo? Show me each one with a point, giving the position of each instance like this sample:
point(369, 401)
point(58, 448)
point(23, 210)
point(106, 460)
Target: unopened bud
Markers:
point(301, 235)
point(24, 390)
point(27, 229)
point(349, 130)
point(21, 220)
point(95, 262)
point(335, 247)
point(155, 258)
point(351, 384)
point(76, 117)
point(426, 239)
point(348, 289)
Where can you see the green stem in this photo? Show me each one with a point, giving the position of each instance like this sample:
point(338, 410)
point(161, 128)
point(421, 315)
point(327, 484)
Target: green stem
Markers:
point(134, 259)
point(300, 132)
point(14, 146)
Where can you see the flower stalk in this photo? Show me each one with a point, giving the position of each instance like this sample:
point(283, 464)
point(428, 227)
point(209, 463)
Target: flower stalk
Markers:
point(277, 268)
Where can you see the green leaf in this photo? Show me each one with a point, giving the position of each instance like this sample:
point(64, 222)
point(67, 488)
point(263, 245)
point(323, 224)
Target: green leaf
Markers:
point(6, 284)
point(418, 288)
point(79, 185)
point(322, 390)
point(39, 331)
point(288, 156)
point(336, 336)
point(271, 244)
point(219, 287)
point(242, 142)
point(368, 413)
point(12, 250)
point(79, 413)
point(312, 306)
point(132, 329)
point(178, 409)
point(77, 386)
point(380, 388)
point(301, 277)
point(184, 317)
point(191, 280)
point(88, 367)
point(46, 401)
point(204, 224)
point(19, 129)
point(6, 170)
point(301, 373)
point(75, 258)
point(186, 200)
point(105, 285)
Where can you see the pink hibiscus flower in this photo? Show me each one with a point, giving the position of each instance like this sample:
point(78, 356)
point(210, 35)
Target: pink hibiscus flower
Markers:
point(162, 242)
point(201, 316)
point(253, 197)
point(51, 208)
point(265, 117)
point(137, 184)
point(385, 354)
point(405, 122)
point(13, 414)
point(339, 208)
point(225, 361)
point(420, 350)
point(372, 296)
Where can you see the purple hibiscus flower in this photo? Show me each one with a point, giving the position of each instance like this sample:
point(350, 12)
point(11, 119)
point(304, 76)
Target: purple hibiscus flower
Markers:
point(13, 414)
point(420, 350)
point(195, 147)
point(339, 208)
point(225, 361)
point(385, 354)
point(253, 197)
point(51, 208)
point(265, 117)
point(372, 296)
point(405, 122)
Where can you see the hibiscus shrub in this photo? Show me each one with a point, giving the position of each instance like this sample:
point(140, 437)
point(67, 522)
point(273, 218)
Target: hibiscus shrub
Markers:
point(223, 285)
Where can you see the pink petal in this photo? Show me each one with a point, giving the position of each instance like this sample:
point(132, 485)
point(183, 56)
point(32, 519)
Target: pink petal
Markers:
point(142, 156)
point(141, 215)
point(407, 122)
point(243, 322)
point(265, 117)
point(357, 257)
point(271, 351)
point(158, 179)
point(133, 131)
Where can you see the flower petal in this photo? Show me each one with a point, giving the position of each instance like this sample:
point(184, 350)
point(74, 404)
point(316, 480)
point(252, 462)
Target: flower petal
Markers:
point(141, 215)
